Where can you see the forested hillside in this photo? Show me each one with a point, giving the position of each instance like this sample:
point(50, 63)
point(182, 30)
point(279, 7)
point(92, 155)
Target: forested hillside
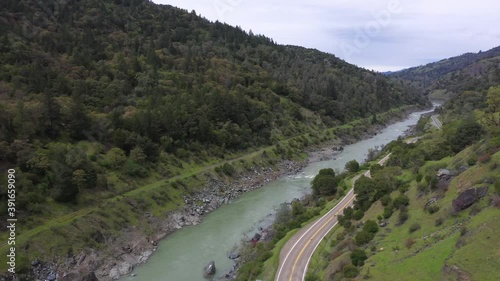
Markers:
point(145, 81)
point(99, 98)
point(450, 77)
point(431, 212)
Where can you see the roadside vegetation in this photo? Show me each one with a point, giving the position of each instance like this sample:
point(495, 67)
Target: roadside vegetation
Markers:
point(111, 110)
point(410, 221)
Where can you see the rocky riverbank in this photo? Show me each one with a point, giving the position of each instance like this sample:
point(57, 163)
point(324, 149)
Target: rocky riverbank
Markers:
point(135, 247)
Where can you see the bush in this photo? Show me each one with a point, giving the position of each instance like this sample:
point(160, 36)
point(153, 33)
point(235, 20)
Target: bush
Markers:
point(463, 231)
point(484, 158)
point(364, 237)
point(433, 209)
point(358, 215)
point(496, 201)
point(358, 257)
point(348, 212)
point(115, 157)
point(386, 200)
point(228, 169)
point(350, 271)
point(467, 132)
point(135, 170)
point(371, 226)
point(325, 183)
point(419, 178)
point(439, 222)
point(409, 242)
point(403, 216)
point(388, 210)
point(374, 168)
point(414, 227)
point(352, 166)
point(401, 200)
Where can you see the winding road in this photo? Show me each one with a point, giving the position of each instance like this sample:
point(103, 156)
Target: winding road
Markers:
point(297, 252)
point(436, 122)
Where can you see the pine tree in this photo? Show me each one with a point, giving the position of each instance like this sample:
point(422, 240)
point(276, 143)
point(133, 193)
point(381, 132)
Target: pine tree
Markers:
point(79, 123)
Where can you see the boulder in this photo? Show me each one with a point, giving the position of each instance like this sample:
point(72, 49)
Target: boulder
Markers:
point(469, 197)
point(209, 269)
point(444, 174)
point(51, 277)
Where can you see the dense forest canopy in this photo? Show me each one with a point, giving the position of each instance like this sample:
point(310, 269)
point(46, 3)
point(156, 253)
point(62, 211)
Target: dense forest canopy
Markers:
point(146, 82)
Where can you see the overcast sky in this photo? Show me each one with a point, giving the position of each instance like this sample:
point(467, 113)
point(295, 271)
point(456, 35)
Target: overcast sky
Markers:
point(375, 34)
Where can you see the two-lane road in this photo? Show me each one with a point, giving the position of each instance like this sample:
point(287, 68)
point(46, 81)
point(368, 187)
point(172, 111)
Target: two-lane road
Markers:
point(297, 252)
point(436, 122)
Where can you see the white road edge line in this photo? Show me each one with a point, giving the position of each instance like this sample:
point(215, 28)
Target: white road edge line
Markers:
point(314, 250)
point(352, 189)
point(307, 231)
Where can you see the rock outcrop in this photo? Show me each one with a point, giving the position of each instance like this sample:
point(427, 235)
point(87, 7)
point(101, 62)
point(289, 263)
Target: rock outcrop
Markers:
point(468, 198)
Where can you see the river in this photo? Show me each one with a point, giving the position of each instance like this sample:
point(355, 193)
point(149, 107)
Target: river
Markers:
point(182, 255)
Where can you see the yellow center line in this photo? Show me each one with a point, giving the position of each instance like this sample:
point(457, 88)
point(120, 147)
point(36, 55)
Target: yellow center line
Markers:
point(314, 235)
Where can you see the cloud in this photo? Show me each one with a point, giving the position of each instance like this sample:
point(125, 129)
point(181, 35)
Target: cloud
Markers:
point(419, 32)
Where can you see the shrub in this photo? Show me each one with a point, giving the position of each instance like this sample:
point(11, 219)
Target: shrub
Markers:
point(325, 183)
point(386, 200)
point(352, 166)
point(370, 226)
point(439, 222)
point(433, 209)
point(403, 217)
point(350, 271)
point(414, 227)
point(419, 178)
point(401, 200)
point(364, 237)
point(115, 157)
point(348, 212)
point(409, 242)
point(358, 215)
point(485, 158)
point(358, 257)
point(387, 212)
point(135, 170)
point(471, 161)
point(228, 169)
point(496, 201)
point(463, 231)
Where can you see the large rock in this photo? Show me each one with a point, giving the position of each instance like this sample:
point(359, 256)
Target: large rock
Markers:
point(121, 269)
point(469, 197)
point(210, 269)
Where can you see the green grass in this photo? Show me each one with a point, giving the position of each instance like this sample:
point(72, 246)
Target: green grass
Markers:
point(45, 235)
point(426, 265)
point(481, 256)
point(475, 253)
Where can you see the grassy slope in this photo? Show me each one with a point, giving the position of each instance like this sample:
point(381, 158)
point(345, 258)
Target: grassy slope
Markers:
point(475, 252)
point(71, 230)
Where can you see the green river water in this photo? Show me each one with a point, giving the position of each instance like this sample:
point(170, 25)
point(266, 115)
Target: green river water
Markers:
point(183, 254)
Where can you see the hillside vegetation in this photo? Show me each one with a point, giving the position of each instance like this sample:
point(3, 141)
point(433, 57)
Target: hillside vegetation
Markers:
point(432, 211)
point(450, 77)
point(113, 109)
